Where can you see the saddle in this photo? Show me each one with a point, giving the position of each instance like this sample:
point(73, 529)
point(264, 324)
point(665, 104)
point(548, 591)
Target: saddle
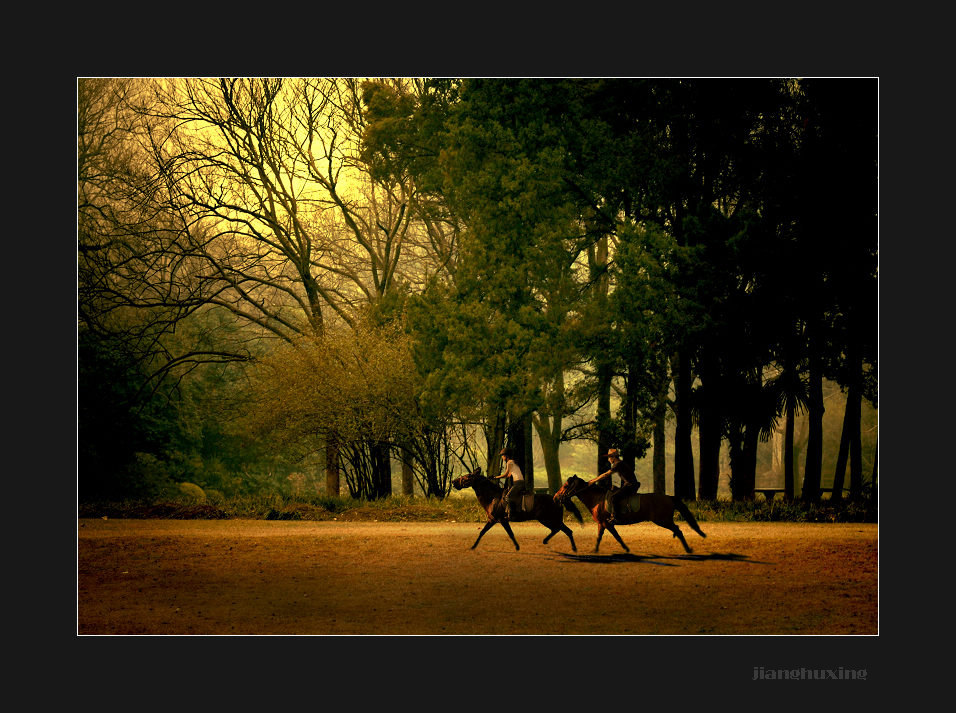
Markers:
point(630, 505)
point(524, 505)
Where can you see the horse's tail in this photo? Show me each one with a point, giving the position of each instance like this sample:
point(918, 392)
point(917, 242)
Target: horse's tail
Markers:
point(686, 514)
point(572, 508)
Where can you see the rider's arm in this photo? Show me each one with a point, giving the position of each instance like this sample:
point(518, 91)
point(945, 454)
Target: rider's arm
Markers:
point(600, 477)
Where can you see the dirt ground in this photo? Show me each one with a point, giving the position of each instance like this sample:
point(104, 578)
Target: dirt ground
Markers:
point(253, 577)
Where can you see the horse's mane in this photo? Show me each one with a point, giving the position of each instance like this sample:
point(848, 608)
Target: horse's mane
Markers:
point(479, 479)
point(585, 485)
point(487, 479)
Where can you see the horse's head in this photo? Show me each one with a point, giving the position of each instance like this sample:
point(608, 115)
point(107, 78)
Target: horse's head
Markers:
point(571, 487)
point(467, 480)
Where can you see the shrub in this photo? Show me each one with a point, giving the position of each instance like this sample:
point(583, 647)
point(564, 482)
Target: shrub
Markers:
point(192, 493)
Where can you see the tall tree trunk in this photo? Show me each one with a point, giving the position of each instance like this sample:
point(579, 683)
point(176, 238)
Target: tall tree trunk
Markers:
point(495, 440)
point(709, 439)
point(660, 430)
point(528, 470)
point(549, 428)
point(788, 456)
point(709, 434)
point(408, 480)
point(683, 446)
point(331, 467)
point(381, 454)
point(629, 446)
point(855, 406)
point(552, 464)
point(597, 270)
point(549, 435)
point(520, 442)
point(850, 436)
point(749, 474)
point(814, 462)
point(604, 442)
point(743, 462)
point(660, 446)
point(738, 489)
point(843, 453)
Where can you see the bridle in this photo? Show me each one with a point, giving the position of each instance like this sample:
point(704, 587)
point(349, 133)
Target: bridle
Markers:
point(571, 488)
point(468, 479)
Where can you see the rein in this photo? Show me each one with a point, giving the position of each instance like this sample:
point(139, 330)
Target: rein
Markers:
point(475, 481)
point(575, 489)
point(570, 493)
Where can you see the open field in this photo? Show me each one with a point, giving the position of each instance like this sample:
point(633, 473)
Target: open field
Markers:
point(246, 577)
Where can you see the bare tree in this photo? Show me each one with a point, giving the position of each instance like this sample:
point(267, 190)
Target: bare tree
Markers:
point(134, 283)
point(273, 208)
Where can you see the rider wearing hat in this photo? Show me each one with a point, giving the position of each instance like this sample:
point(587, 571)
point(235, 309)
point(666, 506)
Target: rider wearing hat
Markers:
point(518, 488)
point(629, 483)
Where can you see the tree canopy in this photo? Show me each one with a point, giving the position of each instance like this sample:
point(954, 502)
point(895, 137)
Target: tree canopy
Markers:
point(424, 270)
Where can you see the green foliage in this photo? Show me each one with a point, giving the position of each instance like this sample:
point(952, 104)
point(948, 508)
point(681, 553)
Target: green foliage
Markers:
point(357, 383)
point(122, 429)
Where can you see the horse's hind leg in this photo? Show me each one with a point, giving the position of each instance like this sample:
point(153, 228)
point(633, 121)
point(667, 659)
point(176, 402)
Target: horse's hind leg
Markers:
point(678, 534)
point(567, 531)
point(617, 537)
point(561, 527)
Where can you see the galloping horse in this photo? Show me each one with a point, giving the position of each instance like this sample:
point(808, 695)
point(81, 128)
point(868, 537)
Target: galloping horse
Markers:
point(654, 507)
point(545, 510)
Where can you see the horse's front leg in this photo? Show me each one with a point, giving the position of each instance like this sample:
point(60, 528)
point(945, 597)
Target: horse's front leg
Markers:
point(600, 534)
point(567, 531)
point(504, 524)
point(488, 526)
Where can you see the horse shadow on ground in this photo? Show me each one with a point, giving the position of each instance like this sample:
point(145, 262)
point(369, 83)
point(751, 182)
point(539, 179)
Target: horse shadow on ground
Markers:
point(659, 560)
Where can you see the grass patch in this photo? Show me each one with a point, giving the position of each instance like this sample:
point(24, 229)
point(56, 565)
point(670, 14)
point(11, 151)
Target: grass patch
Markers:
point(455, 508)
point(781, 511)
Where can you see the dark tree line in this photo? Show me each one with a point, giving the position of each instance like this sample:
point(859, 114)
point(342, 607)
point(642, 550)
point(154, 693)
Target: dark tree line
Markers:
point(742, 222)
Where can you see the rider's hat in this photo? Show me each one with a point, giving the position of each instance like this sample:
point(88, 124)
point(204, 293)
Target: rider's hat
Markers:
point(506, 452)
point(613, 454)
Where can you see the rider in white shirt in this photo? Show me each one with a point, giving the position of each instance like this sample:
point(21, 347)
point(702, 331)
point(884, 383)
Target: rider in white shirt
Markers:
point(512, 496)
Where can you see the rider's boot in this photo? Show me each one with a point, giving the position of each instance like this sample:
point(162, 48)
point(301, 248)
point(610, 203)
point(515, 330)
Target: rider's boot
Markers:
point(610, 520)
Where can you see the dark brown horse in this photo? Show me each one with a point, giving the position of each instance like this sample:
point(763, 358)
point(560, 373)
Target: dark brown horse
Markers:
point(654, 507)
point(544, 509)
